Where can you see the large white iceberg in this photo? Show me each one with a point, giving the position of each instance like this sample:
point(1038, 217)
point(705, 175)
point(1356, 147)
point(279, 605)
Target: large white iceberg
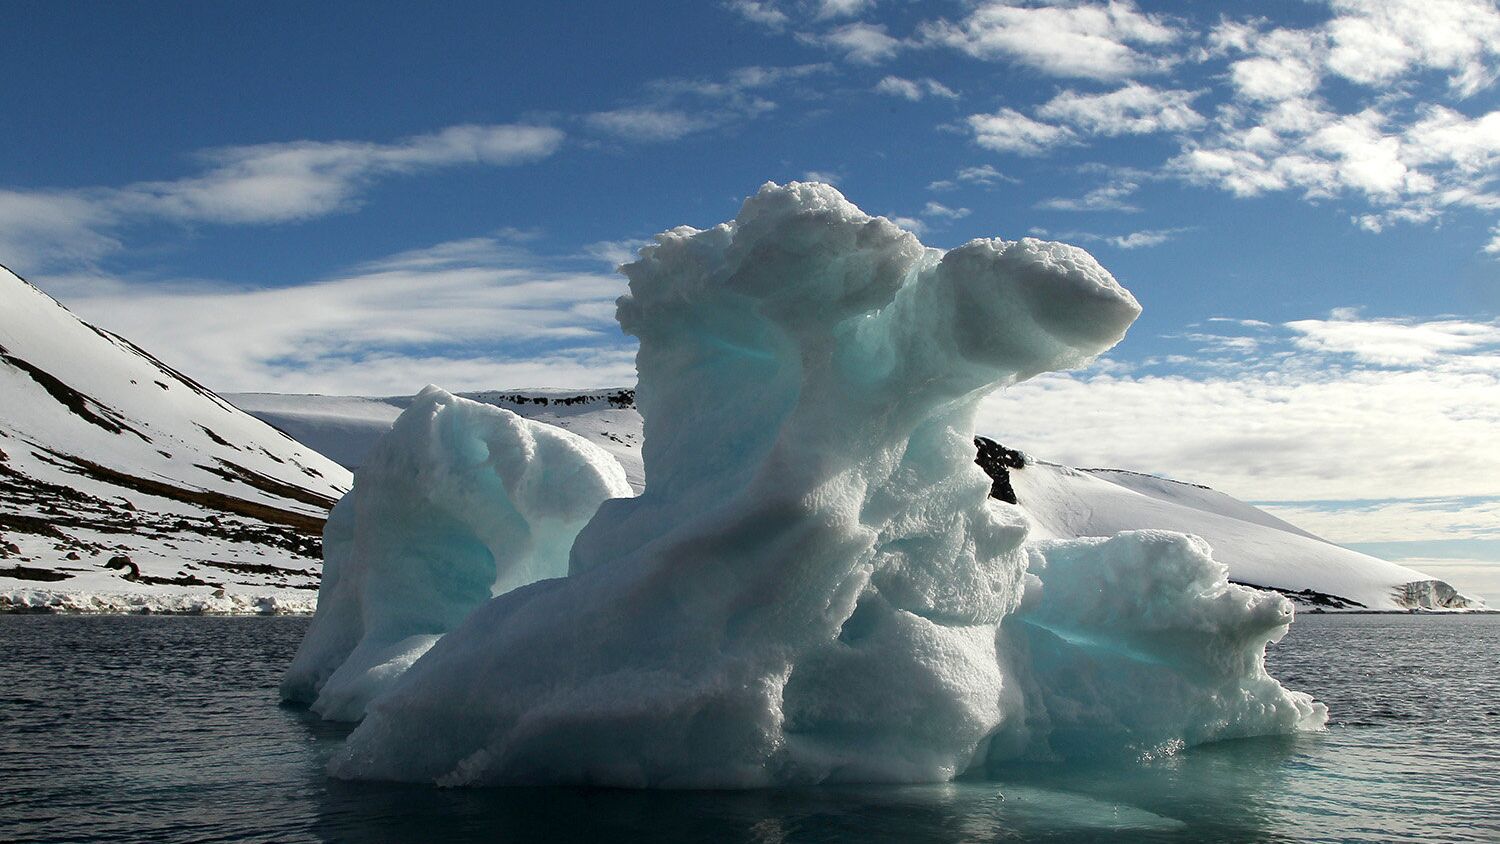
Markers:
point(815, 585)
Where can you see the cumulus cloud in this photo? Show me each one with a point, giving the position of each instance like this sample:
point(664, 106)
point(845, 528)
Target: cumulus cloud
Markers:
point(1111, 40)
point(759, 12)
point(1008, 130)
point(862, 43)
point(1375, 42)
point(257, 184)
point(1387, 142)
point(1134, 109)
point(1071, 116)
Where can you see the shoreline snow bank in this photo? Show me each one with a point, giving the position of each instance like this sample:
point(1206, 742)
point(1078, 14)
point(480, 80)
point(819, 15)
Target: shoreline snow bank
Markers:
point(43, 601)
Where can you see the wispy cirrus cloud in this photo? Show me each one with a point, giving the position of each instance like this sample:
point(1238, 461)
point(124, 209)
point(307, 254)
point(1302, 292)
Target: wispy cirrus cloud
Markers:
point(1143, 239)
point(914, 90)
point(983, 175)
point(671, 109)
point(254, 184)
point(471, 314)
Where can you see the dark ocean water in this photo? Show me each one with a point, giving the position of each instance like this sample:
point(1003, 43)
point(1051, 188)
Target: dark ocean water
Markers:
point(168, 729)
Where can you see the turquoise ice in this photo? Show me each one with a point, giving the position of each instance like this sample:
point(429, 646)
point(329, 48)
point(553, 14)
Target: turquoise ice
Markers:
point(459, 502)
point(814, 585)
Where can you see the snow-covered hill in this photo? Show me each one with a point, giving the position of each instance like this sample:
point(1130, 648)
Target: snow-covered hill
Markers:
point(1260, 549)
point(124, 484)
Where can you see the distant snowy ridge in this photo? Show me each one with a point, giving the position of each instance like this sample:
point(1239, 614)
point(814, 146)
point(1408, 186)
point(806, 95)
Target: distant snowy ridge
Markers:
point(127, 486)
point(1260, 549)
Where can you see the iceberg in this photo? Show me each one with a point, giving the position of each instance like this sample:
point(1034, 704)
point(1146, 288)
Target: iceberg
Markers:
point(459, 502)
point(814, 585)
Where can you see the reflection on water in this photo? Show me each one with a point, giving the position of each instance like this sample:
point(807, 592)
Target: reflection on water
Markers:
point(158, 729)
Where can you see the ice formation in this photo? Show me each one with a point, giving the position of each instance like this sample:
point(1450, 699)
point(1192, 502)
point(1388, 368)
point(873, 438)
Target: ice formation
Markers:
point(814, 585)
point(459, 502)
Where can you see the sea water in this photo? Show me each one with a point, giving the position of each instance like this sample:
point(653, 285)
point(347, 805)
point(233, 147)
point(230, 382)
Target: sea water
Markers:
point(168, 729)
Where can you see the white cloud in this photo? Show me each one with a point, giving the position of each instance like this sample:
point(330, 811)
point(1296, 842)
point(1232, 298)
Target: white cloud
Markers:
point(1143, 239)
point(671, 109)
point(1287, 422)
point(486, 313)
point(1442, 135)
point(843, 8)
point(763, 13)
point(911, 224)
point(1134, 109)
point(1111, 196)
point(42, 228)
point(941, 211)
point(983, 175)
point(615, 252)
point(272, 183)
point(1388, 142)
point(1375, 42)
point(259, 184)
point(862, 43)
point(1395, 520)
point(1008, 130)
point(1069, 39)
point(1394, 342)
point(1278, 64)
point(914, 89)
point(647, 124)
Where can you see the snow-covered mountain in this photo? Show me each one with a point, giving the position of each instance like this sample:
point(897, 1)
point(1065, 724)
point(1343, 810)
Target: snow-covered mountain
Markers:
point(1260, 549)
point(120, 477)
point(124, 484)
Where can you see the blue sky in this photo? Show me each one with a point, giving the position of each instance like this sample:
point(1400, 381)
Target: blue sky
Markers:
point(366, 198)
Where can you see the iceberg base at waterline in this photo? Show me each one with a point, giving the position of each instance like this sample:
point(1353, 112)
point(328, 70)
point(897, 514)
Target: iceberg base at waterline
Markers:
point(815, 585)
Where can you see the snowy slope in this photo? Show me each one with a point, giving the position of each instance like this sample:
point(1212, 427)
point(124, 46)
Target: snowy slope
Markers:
point(120, 477)
point(1260, 549)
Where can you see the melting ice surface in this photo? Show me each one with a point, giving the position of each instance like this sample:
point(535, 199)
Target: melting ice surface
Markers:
point(814, 586)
